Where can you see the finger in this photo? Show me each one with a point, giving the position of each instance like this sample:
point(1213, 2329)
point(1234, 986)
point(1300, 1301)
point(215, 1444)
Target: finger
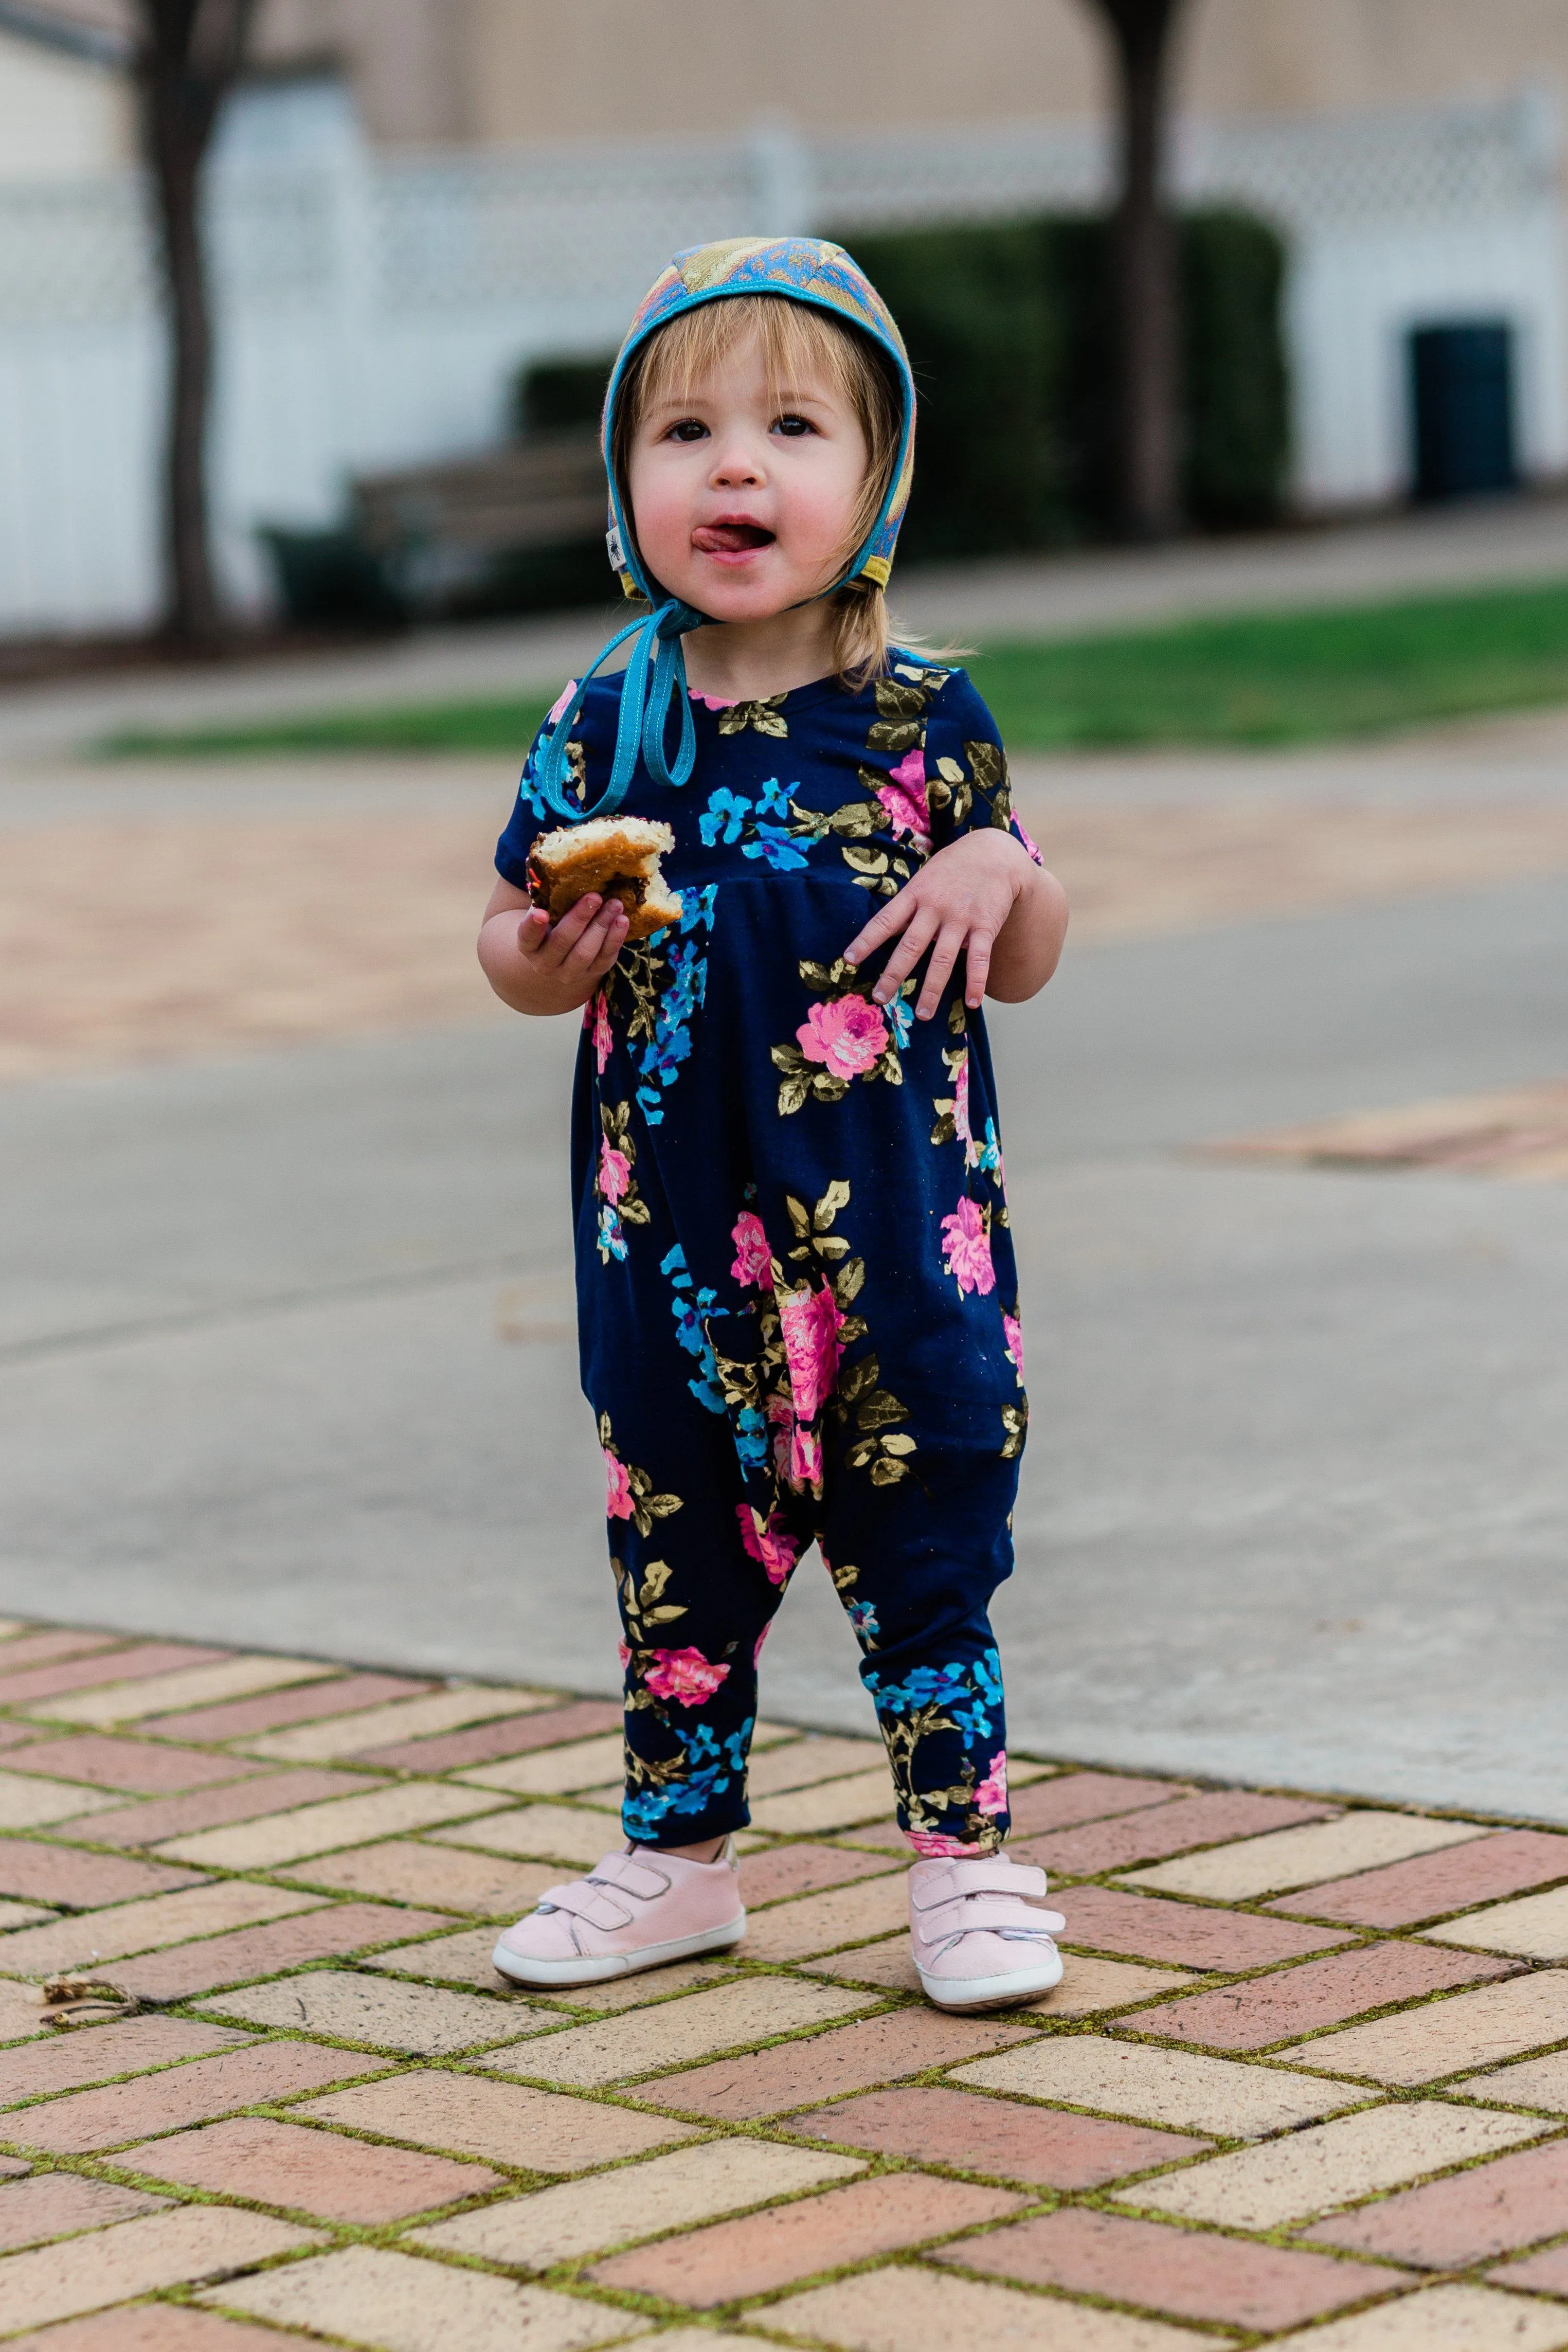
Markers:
point(588, 952)
point(615, 940)
point(532, 931)
point(944, 956)
point(917, 937)
point(889, 918)
point(978, 965)
point(564, 934)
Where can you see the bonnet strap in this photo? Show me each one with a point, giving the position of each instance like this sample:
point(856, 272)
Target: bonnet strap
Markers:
point(644, 713)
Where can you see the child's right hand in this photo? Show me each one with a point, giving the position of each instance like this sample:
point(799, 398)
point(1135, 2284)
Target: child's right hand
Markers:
point(537, 966)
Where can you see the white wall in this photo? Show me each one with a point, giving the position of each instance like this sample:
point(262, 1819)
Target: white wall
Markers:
point(373, 312)
point(60, 117)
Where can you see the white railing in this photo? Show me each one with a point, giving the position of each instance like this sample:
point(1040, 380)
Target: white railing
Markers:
point(374, 310)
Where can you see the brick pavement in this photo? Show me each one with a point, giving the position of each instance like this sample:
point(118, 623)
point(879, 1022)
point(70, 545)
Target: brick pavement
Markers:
point(1306, 2082)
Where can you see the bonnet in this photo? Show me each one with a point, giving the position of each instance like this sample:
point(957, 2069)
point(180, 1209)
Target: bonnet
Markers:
point(799, 269)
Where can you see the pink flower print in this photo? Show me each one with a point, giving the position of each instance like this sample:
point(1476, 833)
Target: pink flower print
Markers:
point(625, 1655)
point(904, 798)
point(617, 1484)
point(932, 1845)
point(1013, 1341)
point(849, 1035)
point(811, 1323)
point(562, 702)
point(805, 1458)
point(753, 1258)
point(711, 701)
point(756, 1646)
point(614, 1172)
point(961, 1108)
point(967, 1250)
point(602, 1040)
point(768, 1541)
point(684, 1675)
point(992, 1796)
point(1028, 844)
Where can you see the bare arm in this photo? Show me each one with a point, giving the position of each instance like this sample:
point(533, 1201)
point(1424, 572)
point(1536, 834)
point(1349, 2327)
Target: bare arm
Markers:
point(982, 896)
point(537, 966)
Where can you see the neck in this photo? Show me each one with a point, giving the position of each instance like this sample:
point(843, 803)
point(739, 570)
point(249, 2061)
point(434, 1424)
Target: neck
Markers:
point(747, 661)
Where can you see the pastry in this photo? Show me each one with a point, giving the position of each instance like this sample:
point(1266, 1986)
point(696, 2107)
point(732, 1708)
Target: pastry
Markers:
point(616, 855)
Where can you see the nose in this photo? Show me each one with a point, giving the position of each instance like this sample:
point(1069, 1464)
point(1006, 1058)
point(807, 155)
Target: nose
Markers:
point(737, 465)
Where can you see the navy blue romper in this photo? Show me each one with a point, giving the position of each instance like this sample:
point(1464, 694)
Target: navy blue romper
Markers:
point(797, 1296)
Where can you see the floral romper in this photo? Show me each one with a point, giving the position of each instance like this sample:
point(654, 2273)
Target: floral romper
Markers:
point(797, 1297)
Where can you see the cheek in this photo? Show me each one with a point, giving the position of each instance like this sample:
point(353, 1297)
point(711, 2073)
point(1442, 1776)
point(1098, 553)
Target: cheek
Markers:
point(660, 514)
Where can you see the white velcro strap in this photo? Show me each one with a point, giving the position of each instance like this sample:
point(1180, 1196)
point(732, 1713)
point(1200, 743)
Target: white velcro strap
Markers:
point(962, 1881)
point(636, 1874)
point(596, 1904)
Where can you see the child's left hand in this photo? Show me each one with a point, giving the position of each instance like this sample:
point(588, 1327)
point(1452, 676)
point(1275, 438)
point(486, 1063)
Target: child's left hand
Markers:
point(983, 896)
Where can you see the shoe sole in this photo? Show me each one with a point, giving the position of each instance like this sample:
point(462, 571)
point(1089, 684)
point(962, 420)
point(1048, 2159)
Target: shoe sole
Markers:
point(970, 1993)
point(602, 1969)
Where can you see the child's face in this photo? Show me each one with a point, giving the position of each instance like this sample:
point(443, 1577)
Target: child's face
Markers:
point(744, 504)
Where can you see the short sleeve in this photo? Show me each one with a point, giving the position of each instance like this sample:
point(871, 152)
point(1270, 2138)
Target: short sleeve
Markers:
point(590, 745)
point(967, 780)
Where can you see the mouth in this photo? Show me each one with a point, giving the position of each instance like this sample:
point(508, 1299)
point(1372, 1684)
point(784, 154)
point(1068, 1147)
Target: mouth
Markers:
point(734, 537)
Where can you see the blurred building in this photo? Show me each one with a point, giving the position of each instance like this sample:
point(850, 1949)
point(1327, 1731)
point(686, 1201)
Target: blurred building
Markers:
point(411, 197)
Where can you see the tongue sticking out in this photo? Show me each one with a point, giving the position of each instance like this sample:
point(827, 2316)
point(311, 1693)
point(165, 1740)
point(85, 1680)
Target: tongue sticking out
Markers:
point(729, 538)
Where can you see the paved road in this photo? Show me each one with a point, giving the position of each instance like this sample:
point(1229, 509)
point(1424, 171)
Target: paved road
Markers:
point(285, 1357)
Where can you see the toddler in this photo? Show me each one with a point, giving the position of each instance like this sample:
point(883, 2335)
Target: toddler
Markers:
point(797, 1297)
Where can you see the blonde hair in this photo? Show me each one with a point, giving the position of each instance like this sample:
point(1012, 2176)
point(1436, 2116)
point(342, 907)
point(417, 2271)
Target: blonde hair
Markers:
point(797, 340)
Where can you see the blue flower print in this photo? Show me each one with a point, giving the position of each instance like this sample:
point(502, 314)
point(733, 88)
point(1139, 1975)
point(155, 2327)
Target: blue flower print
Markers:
point(773, 842)
point(900, 1018)
point(773, 798)
point(863, 1617)
point(689, 1305)
point(611, 1233)
point(723, 818)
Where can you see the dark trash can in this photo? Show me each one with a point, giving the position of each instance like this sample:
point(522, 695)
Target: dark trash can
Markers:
point(1461, 389)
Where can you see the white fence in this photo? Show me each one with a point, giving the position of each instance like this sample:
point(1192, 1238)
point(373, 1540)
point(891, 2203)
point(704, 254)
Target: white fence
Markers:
point(375, 311)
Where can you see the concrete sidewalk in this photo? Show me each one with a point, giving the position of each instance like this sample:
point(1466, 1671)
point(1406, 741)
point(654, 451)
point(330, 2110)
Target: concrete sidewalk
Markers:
point(1304, 2080)
point(1064, 596)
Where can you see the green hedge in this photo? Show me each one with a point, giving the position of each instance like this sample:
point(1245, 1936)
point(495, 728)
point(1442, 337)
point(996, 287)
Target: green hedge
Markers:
point(1009, 332)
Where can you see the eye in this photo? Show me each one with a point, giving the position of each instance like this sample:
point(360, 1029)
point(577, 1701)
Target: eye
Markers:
point(690, 428)
point(793, 425)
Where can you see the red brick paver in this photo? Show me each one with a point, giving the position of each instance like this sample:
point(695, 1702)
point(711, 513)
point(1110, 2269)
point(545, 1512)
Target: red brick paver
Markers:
point(1058, 1804)
point(803, 1869)
point(321, 1935)
point(70, 2062)
point(28, 1688)
point(150, 2328)
point(1547, 2271)
point(489, 1743)
point(1449, 2224)
point(1294, 2001)
point(848, 2058)
point(322, 2174)
point(767, 2249)
point(1086, 2104)
point(211, 1809)
point(106, 1762)
point(937, 2125)
point(1192, 1935)
point(182, 2096)
point(1157, 1831)
point(52, 2203)
point(237, 1719)
point(71, 1880)
point(1193, 2274)
point(1406, 1893)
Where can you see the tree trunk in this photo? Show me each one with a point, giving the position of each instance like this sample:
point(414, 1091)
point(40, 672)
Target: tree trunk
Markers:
point(1146, 297)
point(191, 53)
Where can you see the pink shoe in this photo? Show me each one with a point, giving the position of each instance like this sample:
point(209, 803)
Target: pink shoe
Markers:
point(980, 1942)
point(635, 1910)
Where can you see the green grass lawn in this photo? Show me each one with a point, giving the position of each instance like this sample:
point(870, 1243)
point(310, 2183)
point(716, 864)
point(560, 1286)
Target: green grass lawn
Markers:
point(1261, 678)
